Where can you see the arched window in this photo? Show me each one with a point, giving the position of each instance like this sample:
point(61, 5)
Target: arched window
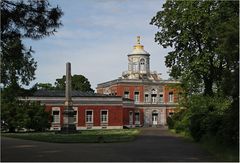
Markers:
point(142, 64)
point(153, 96)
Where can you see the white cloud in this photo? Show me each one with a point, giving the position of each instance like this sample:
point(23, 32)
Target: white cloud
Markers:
point(96, 40)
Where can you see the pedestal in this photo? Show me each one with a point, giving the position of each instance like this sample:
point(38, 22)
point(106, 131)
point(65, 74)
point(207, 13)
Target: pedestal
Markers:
point(68, 121)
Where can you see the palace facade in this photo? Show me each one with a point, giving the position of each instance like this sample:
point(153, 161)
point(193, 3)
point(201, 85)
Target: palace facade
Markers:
point(138, 98)
point(156, 98)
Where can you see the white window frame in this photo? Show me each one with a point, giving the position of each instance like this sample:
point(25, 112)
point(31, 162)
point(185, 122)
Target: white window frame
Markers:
point(138, 116)
point(142, 64)
point(170, 97)
point(76, 115)
point(126, 95)
point(146, 100)
point(154, 98)
point(136, 98)
point(161, 98)
point(86, 118)
point(59, 117)
point(135, 67)
point(130, 117)
point(101, 116)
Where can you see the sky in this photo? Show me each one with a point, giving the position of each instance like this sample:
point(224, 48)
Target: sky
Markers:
point(96, 37)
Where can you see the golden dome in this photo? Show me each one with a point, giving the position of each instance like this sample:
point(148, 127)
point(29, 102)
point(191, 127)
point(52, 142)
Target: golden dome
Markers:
point(138, 48)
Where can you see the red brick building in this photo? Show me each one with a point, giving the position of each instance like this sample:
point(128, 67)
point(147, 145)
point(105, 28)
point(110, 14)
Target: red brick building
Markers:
point(153, 96)
point(91, 111)
point(138, 98)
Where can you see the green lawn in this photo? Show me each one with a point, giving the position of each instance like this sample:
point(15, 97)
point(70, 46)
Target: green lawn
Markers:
point(86, 136)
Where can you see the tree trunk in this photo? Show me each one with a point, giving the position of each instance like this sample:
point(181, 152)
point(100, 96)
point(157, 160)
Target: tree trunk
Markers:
point(208, 84)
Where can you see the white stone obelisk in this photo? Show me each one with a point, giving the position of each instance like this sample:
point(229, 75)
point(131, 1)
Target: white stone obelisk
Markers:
point(68, 114)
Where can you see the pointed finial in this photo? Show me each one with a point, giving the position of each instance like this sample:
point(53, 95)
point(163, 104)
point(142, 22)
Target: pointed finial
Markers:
point(138, 39)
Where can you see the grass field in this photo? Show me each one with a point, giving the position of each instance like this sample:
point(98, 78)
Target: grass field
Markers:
point(86, 136)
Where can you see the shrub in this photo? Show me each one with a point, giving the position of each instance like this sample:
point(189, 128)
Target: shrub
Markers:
point(170, 122)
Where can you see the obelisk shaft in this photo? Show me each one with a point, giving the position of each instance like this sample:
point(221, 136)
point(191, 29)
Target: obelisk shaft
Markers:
point(68, 114)
point(68, 89)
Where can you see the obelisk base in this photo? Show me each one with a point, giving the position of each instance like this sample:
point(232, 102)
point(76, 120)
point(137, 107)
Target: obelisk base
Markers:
point(68, 121)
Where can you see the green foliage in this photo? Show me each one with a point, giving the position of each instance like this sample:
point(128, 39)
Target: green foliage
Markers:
point(19, 20)
point(192, 29)
point(180, 121)
point(17, 64)
point(229, 130)
point(204, 116)
point(207, 115)
point(20, 114)
point(36, 116)
point(170, 122)
point(79, 82)
point(204, 36)
point(222, 152)
point(16, 114)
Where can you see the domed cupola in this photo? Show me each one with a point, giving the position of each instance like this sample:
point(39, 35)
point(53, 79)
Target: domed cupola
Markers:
point(138, 61)
point(138, 49)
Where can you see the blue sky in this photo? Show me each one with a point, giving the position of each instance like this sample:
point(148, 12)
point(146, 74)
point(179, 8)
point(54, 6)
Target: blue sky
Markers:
point(96, 37)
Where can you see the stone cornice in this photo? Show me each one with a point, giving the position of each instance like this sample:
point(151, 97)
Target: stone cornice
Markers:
point(136, 81)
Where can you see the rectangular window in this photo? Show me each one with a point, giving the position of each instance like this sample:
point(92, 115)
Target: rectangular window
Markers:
point(130, 117)
point(136, 97)
point(56, 116)
point(104, 116)
point(135, 67)
point(161, 98)
point(170, 96)
point(137, 117)
point(146, 99)
point(89, 116)
point(126, 94)
point(154, 98)
point(75, 115)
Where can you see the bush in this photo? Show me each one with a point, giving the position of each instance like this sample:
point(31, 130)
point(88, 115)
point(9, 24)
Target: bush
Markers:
point(20, 114)
point(170, 122)
point(211, 116)
point(197, 128)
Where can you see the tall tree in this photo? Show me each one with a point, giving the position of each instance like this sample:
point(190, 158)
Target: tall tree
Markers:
point(23, 19)
point(204, 36)
point(79, 82)
point(191, 29)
